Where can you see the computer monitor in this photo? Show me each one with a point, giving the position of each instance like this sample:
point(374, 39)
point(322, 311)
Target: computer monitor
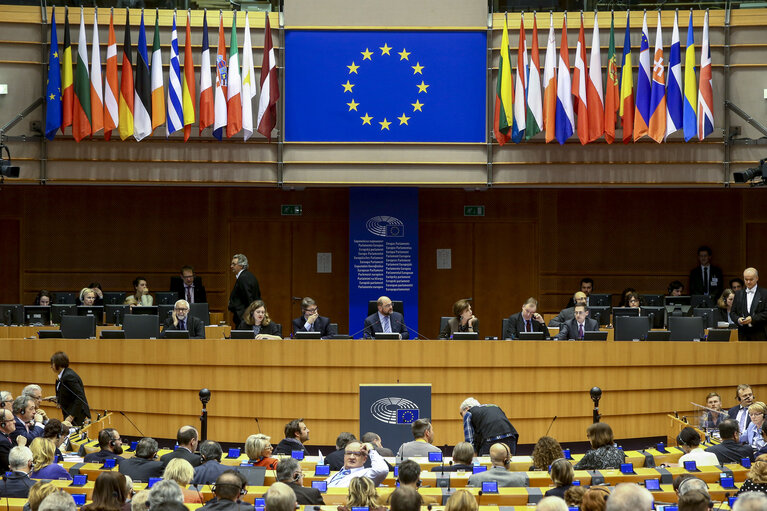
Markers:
point(600, 300)
point(530, 336)
point(595, 335)
point(37, 315)
point(78, 327)
point(658, 335)
point(686, 328)
point(164, 312)
point(654, 300)
point(97, 311)
point(176, 334)
point(631, 328)
point(65, 298)
point(658, 315)
point(145, 310)
point(397, 306)
point(165, 297)
point(113, 297)
point(702, 301)
point(677, 300)
point(142, 326)
point(11, 314)
point(718, 335)
point(708, 314)
point(625, 311)
point(49, 334)
point(58, 310)
point(112, 334)
point(303, 334)
point(465, 336)
point(200, 311)
point(601, 313)
point(243, 334)
point(114, 314)
point(254, 475)
point(678, 310)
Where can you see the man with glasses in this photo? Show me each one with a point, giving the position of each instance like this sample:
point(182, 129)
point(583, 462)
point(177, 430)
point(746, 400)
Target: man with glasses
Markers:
point(189, 286)
point(311, 321)
point(36, 393)
point(181, 320)
point(355, 456)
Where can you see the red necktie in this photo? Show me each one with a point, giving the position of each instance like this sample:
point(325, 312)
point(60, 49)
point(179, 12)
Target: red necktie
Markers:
point(528, 326)
point(580, 331)
point(189, 294)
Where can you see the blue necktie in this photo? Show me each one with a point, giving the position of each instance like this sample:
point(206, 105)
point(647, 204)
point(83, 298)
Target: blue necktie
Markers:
point(386, 325)
point(182, 325)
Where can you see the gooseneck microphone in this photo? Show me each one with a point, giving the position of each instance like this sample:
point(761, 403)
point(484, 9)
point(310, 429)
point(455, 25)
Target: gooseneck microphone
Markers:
point(132, 423)
point(551, 424)
point(257, 424)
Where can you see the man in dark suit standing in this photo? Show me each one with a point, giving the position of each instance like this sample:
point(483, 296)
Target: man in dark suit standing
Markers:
point(749, 310)
point(143, 465)
point(189, 286)
point(7, 426)
point(739, 412)
point(528, 320)
point(187, 439)
point(245, 290)
point(385, 320)
point(706, 279)
point(576, 327)
point(311, 321)
point(70, 394)
point(181, 320)
point(289, 472)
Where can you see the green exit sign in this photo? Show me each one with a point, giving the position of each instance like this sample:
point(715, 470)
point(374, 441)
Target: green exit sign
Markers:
point(474, 211)
point(291, 209)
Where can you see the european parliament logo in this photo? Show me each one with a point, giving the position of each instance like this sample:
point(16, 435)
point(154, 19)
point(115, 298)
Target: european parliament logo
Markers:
point(392, 86)
point(386, 226)
point(394, 410)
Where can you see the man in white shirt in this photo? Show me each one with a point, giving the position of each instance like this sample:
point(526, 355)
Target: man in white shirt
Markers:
point(739, 412)
point(749, 309)
point(355, 456)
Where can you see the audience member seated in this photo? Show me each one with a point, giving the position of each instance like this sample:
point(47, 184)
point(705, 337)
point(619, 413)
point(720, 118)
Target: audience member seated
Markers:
point(757, 477)
point(409, 476)
point(131, 301)
point(310, 320)
point(745, 396)
point(38, 492)
point(462, 500)
point(44, 298)
point(527, 320)
point(143, 465)
point(141, 292)
point(706, 279)
point(595, 498)
point(691, 483)
point(630, 497)
point(551, 504)
point(730, 450)
point(567, 314)
point(463, 320)
point(562, 475)
point(44, 466)
point(257, 319)
point(362, 493)
point(17, 483)
point(500, 459)
point(139, 501)
point(546, 450)
point(574, 496)
point(579, 325)
point(279, 497)
point(259, 451)
point(603, 453)
point(99, 291)
point(463, 455)
point(87, 297)
point(335, 460)
point(751, 501)
point(230, 485)
point(109, 492)
point(111, 446)
point(24, 415)
point(712, 419)
point(7, 427)
point(189, 286)
point(211, 467)
point(624, 301)
point(675, 288)
point(59, 500)
point(632, 300)
point(163, 493)
point(182, 472)
point(355, 455)
point(186, 438)
point(587, 287)
point(724, 307)
point(694, 500)
point(375, 439)
point(405, 498)
point(181, 320)
point(736, 284)
point(763, 450)
point(385, 321)
point(296, 435)
point(58, 433)
point(290, 473)
point(753, 434)
point(35, 392)
point(423, 433)
point(689, 441)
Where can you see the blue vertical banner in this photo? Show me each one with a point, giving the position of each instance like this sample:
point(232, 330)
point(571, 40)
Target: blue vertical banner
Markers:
point(389, 410)
point(383, 248)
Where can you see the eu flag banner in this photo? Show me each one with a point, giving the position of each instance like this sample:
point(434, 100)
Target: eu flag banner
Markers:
point(407, 415)
point(385, 86)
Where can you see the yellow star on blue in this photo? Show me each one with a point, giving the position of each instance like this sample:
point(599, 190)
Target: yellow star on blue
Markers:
point(384, 124)
point(353, 68)
point(403, 55)
point(366, 119)
point(385, 49)
point(417, 106)
point(353, 105)
point(347, 86)
point(417, 68)
point(366, 54)
point(403, 119)
point(422, 87)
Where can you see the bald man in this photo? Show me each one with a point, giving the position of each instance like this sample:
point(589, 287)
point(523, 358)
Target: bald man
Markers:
point(749, 309)
point(500, 457)
point(569, 313)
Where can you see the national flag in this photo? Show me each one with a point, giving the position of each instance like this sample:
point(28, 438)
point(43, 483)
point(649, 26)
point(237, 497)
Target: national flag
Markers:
point(67, 94)
point(188, 92)
point(642, 110)
point(233, 99)
point(612, 89)
point(689, 114)
point(565, 118)
point(248, 82)
point(550, 84)
point(53, 87)
point(705, 90)
point(534, 120)
point(158, 94)
point(626, 110)
point(594, 94)
point(270, 90)
point(674, 98)
point(580, 101)
point(111, 108)
point(503, 116)
point(142, 103)
point(81, 107)
point(126, 84)
point(97, 86)
point(175, 112)
point(206, 87)
point(520, 108)
point(657, 128)
point(219, 124)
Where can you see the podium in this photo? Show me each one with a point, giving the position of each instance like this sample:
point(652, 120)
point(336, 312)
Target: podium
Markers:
point(389, 410)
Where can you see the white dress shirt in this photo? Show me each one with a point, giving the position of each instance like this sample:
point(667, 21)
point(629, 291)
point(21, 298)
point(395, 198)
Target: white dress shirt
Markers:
point(377, 472)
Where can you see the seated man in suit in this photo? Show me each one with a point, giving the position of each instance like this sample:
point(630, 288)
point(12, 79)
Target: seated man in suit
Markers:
point(186, 438)
point(409, 476)
point(500, 457)
point(745, 396)
point(385, 320)
point(311, 321)
point(336, 458)
point(18, 483)
point(111, 447)
point(567, 314)
point(7, 426)
point(749, 309)
point(189, 286)
point(24, 416)
point(423, 435)
point(528, 320)
point(706, 279)
point(211, 467)
point(575, 328)
point(143, 465)
point(181, 320)
point(730, 450)
point(290, 473)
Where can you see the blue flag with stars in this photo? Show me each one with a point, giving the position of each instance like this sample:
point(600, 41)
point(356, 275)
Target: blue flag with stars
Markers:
point(53, 110)
point(385, 86)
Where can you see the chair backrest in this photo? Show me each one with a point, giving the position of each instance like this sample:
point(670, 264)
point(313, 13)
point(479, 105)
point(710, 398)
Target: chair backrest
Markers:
point(708, 314)
point(200, 311)
point(443, 322)
point(278, 326)
point(78, 327)
point(685, 328)
point(143, 326)
point(504, 326)
point(397, 306)
point(629, 328)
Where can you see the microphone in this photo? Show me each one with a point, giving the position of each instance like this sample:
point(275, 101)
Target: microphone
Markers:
point(416, 332)
point(479, 498)
point(117, 317)
point(257, 424)
point(296, 298)
point(552, 423)
point(132, 423)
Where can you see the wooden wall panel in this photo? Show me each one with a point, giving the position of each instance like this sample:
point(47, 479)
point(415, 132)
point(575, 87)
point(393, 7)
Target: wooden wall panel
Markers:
point(10, 259)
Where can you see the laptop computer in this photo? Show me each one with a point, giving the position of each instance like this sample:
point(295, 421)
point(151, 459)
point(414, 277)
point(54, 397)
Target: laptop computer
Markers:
point(532, 336)
point(387, 336)
point(242, 334)
point(176, 334)
point(594, 335)
point(465, 336)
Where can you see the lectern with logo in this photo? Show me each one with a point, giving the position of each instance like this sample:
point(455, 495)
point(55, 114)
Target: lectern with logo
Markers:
point(389, 410)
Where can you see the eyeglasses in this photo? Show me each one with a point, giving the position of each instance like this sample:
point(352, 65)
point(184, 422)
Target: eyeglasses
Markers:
point(312, 311)
point(182, 309)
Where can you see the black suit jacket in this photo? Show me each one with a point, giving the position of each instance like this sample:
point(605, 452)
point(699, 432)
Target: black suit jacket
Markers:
point(715, 281)
point(733, 414)
point(373, 324)
point(16, 485)
point(34, 432)
point(141, 469)
point(194, 326)
point(321, 325)
point(70, 395)
point(101, 456)
point(177, 286)
point(5, 448)
point(192, 458)
point(729, 451)
point(307, 496)
point(758, 329)
point(517, 324)
point(569, 329)
point(244, 292)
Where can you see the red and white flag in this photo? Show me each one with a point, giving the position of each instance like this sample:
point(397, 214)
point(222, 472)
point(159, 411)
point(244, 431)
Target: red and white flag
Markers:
point(594, 94)
point(270, 90)
point(97, 85)
point(111, 110)
point(580, 101)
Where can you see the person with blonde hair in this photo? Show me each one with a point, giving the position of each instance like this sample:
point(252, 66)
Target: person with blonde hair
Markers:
point(87, 296)
point(259, 449)
point(38, 492)
point(461, 500)
point(43, 466)
point(757, 476)
point(753, 434)
point(182, 472)
point(562, 475)
point(551, 504)
point(362, 493)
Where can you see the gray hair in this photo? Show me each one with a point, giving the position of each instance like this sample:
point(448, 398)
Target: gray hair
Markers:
point(211, 450)
point(280, 497)
point(5, 395)
point(138, 502)
point(751, 501)
point(692, 483)
point(20, 457)
point(469, 402)
point(146, 448)
point(181, 302)
point(551, 504)
point(58, 501)
point(242, 260)
point(629, 497)
point(255, 445)
point(287, 469)
point(20, 404)
point(165, 491)
point(29, 389)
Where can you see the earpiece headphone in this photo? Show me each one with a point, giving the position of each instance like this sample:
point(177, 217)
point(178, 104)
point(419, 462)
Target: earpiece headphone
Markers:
point(507, 460)
point(296, 476)
point(242, 490)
